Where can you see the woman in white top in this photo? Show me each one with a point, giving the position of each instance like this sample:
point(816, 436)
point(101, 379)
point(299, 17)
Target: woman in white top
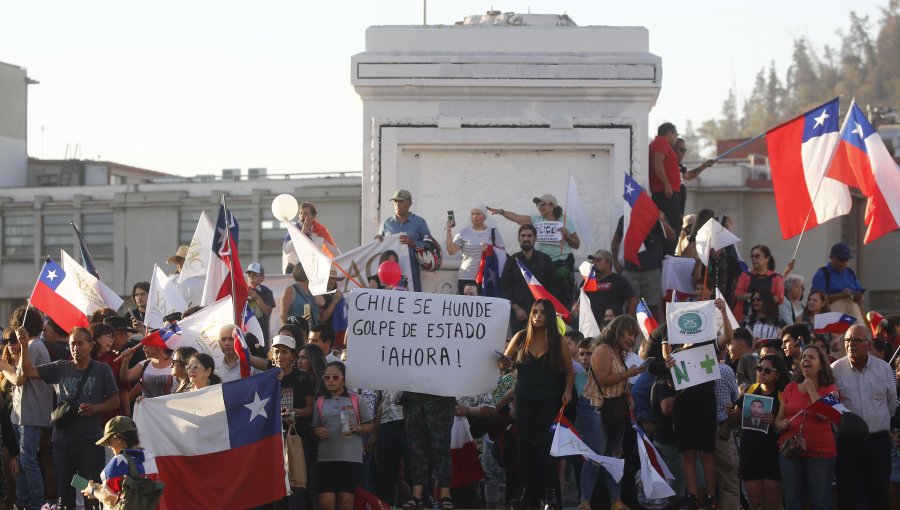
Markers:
point(472, 241)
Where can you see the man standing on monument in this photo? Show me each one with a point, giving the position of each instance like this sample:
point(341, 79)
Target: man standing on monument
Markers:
point(412, 230)
point(513, 285)
point(665, 176)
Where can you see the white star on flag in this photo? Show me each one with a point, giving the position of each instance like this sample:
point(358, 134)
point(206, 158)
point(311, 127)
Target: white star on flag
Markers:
point(628, 189)
point(257, 407)
point(820, 120)
point(51, 275)
point(858, 130)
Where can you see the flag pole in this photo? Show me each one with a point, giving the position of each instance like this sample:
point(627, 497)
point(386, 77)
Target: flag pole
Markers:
point(28, 303)
point(740, 145)
point(234, 313)
point(342, 270)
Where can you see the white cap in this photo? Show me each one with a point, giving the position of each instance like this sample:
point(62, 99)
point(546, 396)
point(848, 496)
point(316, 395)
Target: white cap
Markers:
point(284, 340)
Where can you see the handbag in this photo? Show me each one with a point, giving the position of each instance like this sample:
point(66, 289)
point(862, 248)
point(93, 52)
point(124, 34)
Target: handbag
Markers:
point(138, 492)
point(795, 445)
point(67, 411)
point(614, 409)
point(296, 458)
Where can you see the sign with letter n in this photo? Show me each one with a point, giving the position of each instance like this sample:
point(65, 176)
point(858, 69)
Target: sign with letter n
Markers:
point(695, 366)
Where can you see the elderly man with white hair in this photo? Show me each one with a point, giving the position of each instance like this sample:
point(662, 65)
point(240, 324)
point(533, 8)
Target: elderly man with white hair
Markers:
point(471, 241)
point(866, 386)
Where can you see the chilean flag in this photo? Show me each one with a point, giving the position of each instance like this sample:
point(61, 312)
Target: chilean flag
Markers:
point(862, 161)
point(590, 283)
point(641, 214)
point(654, 472)
point(52, 295)
point(224, 265)
point(243, 351)
point(115, 472)
point(539, 292)
point(800, 152)
point(830, 407)
point(492, 261)
point(833, 322)
point(567, 442)
point(204, 439)
point(161, 337)
point(645, 319)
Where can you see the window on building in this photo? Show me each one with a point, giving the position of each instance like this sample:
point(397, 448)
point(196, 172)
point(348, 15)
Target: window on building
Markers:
point(18, 235)
point(97, 229)
point(187, 224)
point(244, 218)
point(271, 234)
point(58, 235)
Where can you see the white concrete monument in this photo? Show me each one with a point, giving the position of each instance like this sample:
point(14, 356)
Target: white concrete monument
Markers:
point(497, 110)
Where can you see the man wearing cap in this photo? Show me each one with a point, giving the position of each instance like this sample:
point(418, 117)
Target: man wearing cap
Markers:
point(866, 387)
point(178, 258)
point(260, 298)
point(514, 287)
point(613, 290)
point(836, 279)
point(665, 176)
point(412, 230)
point(646, 279)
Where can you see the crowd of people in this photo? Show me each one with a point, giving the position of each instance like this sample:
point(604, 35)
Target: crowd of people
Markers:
point(396, 445)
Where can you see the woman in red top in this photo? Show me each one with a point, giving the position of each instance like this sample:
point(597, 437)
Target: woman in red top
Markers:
point(809, 476)
point(762, 275)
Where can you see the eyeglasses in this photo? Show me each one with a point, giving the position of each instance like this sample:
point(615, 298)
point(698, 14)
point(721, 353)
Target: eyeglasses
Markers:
point(331, 377)
point(191, 368)
point(856, 340)
point(765, 370)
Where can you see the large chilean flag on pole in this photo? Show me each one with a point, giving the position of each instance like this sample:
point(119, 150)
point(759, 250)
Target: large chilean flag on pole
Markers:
point(204, 442)
point(862, 161)
point(800, 152)
point(641, 214)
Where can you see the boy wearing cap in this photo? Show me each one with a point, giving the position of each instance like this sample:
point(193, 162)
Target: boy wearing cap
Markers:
point(412, 228)
point(260, 298)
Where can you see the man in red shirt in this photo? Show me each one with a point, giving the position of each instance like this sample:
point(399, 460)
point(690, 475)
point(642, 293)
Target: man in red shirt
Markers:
point(665, 177)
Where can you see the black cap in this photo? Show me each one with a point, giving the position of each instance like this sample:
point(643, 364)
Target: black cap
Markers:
point(119, 323)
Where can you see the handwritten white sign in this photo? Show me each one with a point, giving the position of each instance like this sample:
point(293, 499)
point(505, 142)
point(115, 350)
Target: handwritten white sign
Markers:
point(695, 366)
point(427, 343)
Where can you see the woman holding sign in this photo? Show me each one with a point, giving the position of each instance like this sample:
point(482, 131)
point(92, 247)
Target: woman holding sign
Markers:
point(603, 425)
point(556, 237)
point(543, 386)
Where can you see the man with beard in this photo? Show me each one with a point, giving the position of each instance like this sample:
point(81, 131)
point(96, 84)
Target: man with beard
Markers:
point(513, 285)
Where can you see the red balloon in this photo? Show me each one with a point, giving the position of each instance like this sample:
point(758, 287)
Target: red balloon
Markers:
point(389, 273)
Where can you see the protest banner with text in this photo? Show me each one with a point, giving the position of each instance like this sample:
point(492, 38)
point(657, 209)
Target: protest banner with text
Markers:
point(361, 263)
point(438, 344)
point(691, 322)
point(694, 366)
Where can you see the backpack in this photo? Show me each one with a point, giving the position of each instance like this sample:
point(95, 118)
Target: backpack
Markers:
point(354, 401)
point(138, 493)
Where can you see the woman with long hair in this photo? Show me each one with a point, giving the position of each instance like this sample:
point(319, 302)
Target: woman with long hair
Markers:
point(758, 463)
point(607, 390)
point(180, 381)
point(543, 386)
point(763, 321)
point(762, 275)
point(311, 360)
point(807, 474)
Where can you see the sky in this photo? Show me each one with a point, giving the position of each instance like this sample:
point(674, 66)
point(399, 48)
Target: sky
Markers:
point(194, 87)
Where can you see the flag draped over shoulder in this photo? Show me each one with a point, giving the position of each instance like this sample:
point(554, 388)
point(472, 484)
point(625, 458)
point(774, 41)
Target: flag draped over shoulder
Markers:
point(863, 161)
point(204, 439)
point(800, 151)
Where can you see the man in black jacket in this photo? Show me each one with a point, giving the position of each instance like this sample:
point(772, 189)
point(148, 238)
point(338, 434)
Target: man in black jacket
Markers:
point(513, 285)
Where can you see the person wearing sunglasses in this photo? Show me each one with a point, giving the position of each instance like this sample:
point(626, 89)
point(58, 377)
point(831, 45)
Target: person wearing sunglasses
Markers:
point(201, 371)
point(763, 320)
point(180, 381)
point(761, 275)
point(758, 463)
point(840, 283)
point(339, 422)
point(867, 388)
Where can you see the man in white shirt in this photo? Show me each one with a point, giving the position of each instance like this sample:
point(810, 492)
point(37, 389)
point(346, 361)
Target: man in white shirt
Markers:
point(867, 388)
point(230, 369)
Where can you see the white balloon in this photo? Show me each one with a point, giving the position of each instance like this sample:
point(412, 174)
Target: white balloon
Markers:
point(285, 207)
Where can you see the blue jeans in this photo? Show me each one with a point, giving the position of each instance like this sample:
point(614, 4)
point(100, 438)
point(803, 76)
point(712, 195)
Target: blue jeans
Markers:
point(806, 479)
point(602, 442)
point(30, 482)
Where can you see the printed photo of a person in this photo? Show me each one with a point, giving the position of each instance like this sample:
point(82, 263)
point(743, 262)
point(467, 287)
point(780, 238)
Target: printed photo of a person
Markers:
point(753, 410)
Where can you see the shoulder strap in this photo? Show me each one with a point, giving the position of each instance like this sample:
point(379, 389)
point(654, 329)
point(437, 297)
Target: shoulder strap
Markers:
point(83, 379)
point(827, 274)
point(354, 401)
point(493, 236)
point(320, 405)
point(132, 467)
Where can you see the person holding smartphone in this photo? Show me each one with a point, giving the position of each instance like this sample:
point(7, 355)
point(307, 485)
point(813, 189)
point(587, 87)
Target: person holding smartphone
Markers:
point(471, 241)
